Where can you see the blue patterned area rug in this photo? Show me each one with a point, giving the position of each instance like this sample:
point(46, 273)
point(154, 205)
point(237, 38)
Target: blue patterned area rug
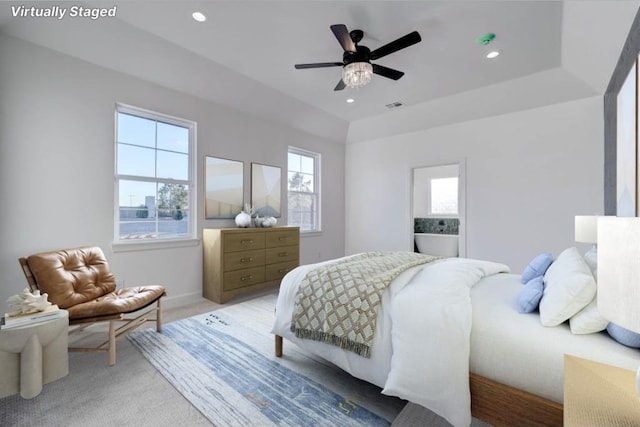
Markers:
point(226, 367)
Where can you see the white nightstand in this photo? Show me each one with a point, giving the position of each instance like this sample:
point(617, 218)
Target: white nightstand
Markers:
point(600, 395)
point(33, 355)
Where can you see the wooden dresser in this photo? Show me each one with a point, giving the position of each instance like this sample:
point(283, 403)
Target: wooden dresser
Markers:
point(241, 260)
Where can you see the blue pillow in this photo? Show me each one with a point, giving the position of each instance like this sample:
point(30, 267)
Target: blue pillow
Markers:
point(537, 267)
point(624, 336)
point(530, 295)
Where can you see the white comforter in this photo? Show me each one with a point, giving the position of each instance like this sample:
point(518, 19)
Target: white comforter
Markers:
point(421, 346)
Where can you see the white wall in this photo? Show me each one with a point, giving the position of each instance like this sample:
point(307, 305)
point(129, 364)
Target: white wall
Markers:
point(57, 157)
point(528, 174)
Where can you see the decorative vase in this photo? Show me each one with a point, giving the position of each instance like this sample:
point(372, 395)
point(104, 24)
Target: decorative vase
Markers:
point(266, 222)
point(243, 220)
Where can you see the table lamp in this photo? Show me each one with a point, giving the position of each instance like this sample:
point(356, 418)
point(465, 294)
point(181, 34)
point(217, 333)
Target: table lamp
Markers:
point(619, 272)
point(586, 228)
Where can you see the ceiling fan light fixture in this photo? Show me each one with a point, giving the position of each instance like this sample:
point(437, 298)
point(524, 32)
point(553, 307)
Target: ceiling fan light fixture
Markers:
point(357, 74)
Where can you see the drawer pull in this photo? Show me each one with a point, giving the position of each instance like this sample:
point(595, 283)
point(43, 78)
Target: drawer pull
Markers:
point(283, 270)
point(246, 259)
point(283, 254)
point(246, 241)
point(245, 278)
point(282, 238)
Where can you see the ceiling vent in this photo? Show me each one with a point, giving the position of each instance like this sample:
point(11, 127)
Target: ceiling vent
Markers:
point(394, 105)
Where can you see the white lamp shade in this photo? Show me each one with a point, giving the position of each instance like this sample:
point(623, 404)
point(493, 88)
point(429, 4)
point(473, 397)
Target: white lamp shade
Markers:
point(586, 228)
point(619, 271)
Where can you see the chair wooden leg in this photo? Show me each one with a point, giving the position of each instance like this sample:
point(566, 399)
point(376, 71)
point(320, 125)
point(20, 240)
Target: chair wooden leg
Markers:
point(112, 342)
point(159, 317)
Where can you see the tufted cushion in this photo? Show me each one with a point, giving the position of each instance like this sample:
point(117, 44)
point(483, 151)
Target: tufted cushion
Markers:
point(121, 301)
point(72, 276)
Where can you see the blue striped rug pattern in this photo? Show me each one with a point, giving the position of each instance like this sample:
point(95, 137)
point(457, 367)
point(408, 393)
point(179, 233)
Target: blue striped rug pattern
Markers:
point(233, 384)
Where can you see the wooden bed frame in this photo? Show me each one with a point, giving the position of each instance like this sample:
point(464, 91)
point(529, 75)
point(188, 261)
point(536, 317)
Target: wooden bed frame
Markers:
point(501, 405)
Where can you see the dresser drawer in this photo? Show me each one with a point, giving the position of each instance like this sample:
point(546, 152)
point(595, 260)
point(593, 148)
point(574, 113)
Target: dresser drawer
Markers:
point(245, 259)
point(241, 278)
point(282, 253)
point(234, 242)
point(238, 261)
point(277, 271)
point(282, 238)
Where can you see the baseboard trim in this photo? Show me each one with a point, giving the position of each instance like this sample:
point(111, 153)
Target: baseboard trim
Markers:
point(183, 299)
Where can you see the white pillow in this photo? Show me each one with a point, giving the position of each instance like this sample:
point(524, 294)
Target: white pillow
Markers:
point(568, 288)
point(588, 320)
point(591, 258)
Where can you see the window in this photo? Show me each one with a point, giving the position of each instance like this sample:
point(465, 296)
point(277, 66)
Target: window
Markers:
point(444, 196)
point(154, 176)
point(304, 189)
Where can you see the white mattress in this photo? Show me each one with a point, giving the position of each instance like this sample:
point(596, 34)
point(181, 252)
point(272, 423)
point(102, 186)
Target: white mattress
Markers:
point(506, 346)
point(516, 350)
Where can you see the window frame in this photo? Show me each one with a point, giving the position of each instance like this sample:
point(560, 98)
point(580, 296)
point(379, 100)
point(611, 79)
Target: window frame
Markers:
point(191, 183)
point(317, 188)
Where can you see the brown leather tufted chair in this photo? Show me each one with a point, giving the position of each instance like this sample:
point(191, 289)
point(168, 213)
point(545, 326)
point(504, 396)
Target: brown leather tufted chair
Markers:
point(79, 281)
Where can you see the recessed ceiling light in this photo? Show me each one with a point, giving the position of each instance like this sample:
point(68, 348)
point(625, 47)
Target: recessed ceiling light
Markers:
point(350, 101)
point(494, 54)
point(199, 16)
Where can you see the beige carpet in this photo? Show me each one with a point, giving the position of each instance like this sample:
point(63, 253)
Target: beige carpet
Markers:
point(134, 393)
point(130, 393)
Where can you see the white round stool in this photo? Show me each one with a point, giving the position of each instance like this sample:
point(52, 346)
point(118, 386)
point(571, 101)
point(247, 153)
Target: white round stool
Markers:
point(33, 355)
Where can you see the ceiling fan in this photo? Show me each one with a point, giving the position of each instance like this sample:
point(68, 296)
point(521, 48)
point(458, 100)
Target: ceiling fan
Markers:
point(357, 68)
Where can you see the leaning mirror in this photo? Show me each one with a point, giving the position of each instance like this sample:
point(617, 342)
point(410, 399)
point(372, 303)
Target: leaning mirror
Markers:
point(265, 189)
point(223, 187)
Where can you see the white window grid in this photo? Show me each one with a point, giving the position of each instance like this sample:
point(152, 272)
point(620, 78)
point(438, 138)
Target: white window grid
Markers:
point(189, 212)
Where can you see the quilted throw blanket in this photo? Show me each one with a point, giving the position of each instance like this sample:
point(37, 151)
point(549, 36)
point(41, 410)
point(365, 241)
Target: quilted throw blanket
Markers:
point(338, 303)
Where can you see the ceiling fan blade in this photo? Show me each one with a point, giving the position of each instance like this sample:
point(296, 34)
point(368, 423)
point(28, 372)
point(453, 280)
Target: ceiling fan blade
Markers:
point(342, 34)
point(340, 85)
point(387, 72)
point(318, 65)
point(396, 45)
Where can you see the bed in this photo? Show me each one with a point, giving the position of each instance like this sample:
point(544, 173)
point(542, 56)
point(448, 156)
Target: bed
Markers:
point(511, 373)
